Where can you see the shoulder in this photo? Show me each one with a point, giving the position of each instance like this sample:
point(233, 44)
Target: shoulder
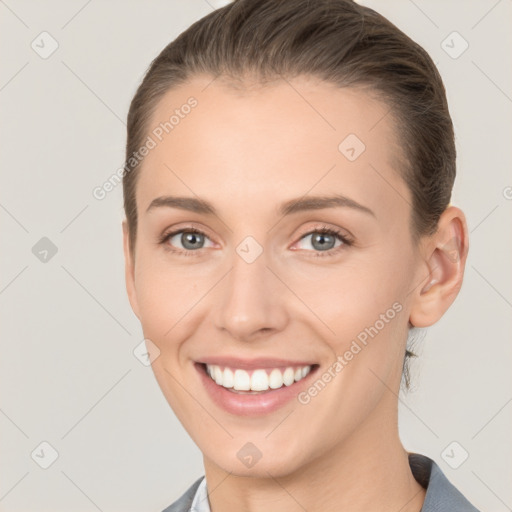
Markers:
point(441, 495)
point(185, 501)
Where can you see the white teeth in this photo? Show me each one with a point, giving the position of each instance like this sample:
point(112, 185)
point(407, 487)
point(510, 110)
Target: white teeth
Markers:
point(228, 380)
point(217, 373)
point(242, 381)
point(305, 370)
point(259, 380)
point(276, 379)
point(289, 376)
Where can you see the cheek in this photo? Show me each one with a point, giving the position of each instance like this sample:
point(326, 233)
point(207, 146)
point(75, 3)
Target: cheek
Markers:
point(348, 295)
point(165, 295)
point(362, 305)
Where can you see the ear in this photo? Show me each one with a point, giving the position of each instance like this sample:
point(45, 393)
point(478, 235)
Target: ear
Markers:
point(129, 270)
point(445, 255)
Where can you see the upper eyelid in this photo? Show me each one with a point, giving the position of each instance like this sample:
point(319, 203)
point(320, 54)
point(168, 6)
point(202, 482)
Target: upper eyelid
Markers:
point(176, 230)
point(343, 232)
point(345, 239)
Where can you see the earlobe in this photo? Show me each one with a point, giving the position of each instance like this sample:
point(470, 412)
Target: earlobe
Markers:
point(129, 270)
point(445, 259)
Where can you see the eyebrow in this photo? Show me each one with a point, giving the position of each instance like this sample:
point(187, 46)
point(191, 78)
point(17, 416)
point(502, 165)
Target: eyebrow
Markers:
point(301, 204)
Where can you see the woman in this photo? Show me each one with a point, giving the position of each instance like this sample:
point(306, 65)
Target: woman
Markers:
point(287, 190)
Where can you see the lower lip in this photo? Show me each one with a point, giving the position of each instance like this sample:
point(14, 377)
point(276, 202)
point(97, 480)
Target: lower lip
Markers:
point(243, 404)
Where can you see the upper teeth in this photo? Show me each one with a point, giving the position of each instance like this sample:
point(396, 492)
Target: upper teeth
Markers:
point(259, 380)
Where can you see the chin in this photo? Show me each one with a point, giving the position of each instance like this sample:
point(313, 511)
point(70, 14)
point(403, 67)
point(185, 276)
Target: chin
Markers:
point(249, 461)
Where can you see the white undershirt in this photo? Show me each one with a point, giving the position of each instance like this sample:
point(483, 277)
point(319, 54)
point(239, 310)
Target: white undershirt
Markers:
point(200, 502)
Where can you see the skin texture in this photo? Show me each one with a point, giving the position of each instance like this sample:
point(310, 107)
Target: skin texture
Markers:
point(247, 150)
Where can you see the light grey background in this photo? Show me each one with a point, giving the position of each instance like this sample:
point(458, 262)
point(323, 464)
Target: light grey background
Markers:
point(68, 373)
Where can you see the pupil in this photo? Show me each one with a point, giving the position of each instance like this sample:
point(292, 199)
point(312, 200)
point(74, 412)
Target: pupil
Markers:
point(191, 238)
point(321, 239)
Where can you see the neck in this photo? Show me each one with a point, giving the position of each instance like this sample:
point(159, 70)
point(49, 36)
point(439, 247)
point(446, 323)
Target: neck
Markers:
point(369, 471)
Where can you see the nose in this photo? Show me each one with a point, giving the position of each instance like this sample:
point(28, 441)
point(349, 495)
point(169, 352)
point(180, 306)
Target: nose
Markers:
point(251, 301)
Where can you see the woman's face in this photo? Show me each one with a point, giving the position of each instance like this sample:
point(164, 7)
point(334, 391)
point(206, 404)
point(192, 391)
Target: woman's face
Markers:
point(261, 288)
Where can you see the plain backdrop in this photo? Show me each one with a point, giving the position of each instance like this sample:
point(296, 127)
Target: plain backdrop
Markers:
point(69, 378)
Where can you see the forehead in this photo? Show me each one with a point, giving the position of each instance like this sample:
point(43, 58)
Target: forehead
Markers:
point(236, 144)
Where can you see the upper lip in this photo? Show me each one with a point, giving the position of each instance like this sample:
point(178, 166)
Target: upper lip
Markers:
point(250, 364)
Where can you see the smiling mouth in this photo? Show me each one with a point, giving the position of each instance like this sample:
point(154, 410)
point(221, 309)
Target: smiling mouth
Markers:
point(258, 380)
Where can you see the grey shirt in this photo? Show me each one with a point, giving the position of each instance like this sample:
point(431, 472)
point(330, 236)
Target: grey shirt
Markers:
point(441, 495)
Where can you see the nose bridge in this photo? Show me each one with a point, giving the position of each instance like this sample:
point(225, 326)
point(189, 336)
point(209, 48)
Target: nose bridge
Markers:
point(250, 298)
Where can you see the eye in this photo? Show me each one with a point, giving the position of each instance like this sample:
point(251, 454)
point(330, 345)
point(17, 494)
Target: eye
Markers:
point(191, 240)
point(323, 240)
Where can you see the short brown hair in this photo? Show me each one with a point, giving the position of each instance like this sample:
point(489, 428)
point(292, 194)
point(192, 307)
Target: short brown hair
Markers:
point(338, 41)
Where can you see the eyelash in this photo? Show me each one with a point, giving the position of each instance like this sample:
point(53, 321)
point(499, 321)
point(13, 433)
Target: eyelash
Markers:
point(324, 230)
point(166, 236)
